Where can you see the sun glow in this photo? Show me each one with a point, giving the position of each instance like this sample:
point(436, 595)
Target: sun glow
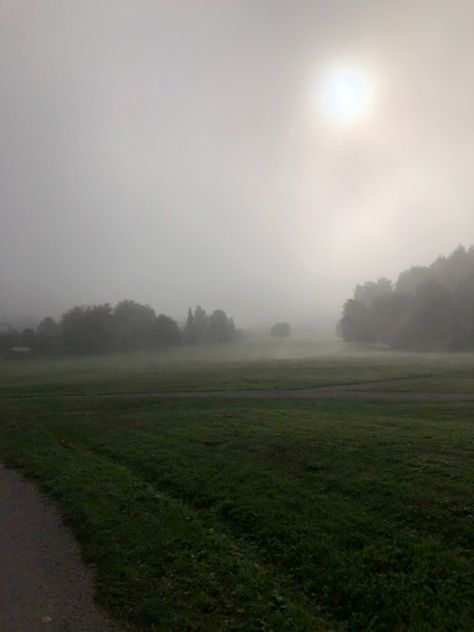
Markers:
point(346, 95)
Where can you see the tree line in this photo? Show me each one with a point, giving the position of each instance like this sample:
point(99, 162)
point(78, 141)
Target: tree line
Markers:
point(203, 328)
point(127, 326)
point(428, 308)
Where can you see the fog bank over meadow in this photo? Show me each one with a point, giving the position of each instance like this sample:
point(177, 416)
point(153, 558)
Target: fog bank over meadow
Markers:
point(175, 153)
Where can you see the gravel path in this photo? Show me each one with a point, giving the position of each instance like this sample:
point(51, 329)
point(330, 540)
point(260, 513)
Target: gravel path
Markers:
point(44, 585)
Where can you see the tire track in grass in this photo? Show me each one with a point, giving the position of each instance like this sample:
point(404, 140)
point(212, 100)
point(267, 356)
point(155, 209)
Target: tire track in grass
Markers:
point(226, 515)
point(243, 530)
point(285, 588)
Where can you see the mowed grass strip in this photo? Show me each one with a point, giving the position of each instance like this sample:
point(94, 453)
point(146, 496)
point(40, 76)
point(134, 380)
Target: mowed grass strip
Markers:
point(263, 515)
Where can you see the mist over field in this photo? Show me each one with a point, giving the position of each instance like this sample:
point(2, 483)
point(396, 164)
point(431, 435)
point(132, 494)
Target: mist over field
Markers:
point(175, 153)
point(236, 315)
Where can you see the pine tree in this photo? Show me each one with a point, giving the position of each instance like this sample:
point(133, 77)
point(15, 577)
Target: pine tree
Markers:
point(189, 329)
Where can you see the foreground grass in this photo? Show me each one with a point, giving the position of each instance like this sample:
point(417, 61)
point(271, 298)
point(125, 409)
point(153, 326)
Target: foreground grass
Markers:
point(231, 515)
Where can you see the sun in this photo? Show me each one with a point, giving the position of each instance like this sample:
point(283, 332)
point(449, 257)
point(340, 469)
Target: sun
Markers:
point(346, 94)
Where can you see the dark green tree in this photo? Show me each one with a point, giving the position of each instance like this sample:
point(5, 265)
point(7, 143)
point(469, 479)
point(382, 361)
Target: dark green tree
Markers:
point(48, 327)
point(387, 315)
point(431, 307)
point(189, 329)
point(220, 327)
point(355, 325)
point(133, 324)
point(88, 329)
point(201, 325)
point(371, 290)
point(165, 332)
point(431, 323)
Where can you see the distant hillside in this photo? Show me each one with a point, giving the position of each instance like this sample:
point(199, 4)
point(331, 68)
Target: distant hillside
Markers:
point(428, 308)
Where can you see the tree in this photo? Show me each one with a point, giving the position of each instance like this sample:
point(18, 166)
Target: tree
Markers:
point(189, 329)
point(431, 323)
point(165, 331)
point(281, 330)
point(233, 333)
point(370, 290)
point(410, 280)
point(431, 307)
point(354, 325)
point(201, 328)
point(387, 315)
point(28, 337)
point(133, 324)
point(88, 329)
point(463, 305)
point(201, 325)
point(48, 327)
point(47, 336)
point(220, 327)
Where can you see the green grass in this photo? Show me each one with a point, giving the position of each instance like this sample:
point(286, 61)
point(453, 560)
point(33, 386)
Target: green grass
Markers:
point(256, 515)
point(267, 364)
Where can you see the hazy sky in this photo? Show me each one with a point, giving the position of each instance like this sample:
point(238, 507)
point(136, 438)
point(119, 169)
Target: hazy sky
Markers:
point(173, 151)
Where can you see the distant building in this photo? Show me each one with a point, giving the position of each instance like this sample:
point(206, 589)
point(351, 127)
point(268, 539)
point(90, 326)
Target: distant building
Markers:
point(19, 352)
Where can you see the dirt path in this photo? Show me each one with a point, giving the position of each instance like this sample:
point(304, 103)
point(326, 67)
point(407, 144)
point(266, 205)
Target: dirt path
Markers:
point(360, 391)
point(44, 585)
point(319, 393)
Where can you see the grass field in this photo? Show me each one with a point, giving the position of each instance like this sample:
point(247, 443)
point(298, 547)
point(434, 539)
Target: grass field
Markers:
point(216, 514)
point(263, 364)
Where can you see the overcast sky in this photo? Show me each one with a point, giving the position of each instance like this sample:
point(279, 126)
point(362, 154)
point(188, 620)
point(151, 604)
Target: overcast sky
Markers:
point(171, 151)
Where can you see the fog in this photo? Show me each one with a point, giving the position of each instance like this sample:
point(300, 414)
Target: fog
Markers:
point(172, 153)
